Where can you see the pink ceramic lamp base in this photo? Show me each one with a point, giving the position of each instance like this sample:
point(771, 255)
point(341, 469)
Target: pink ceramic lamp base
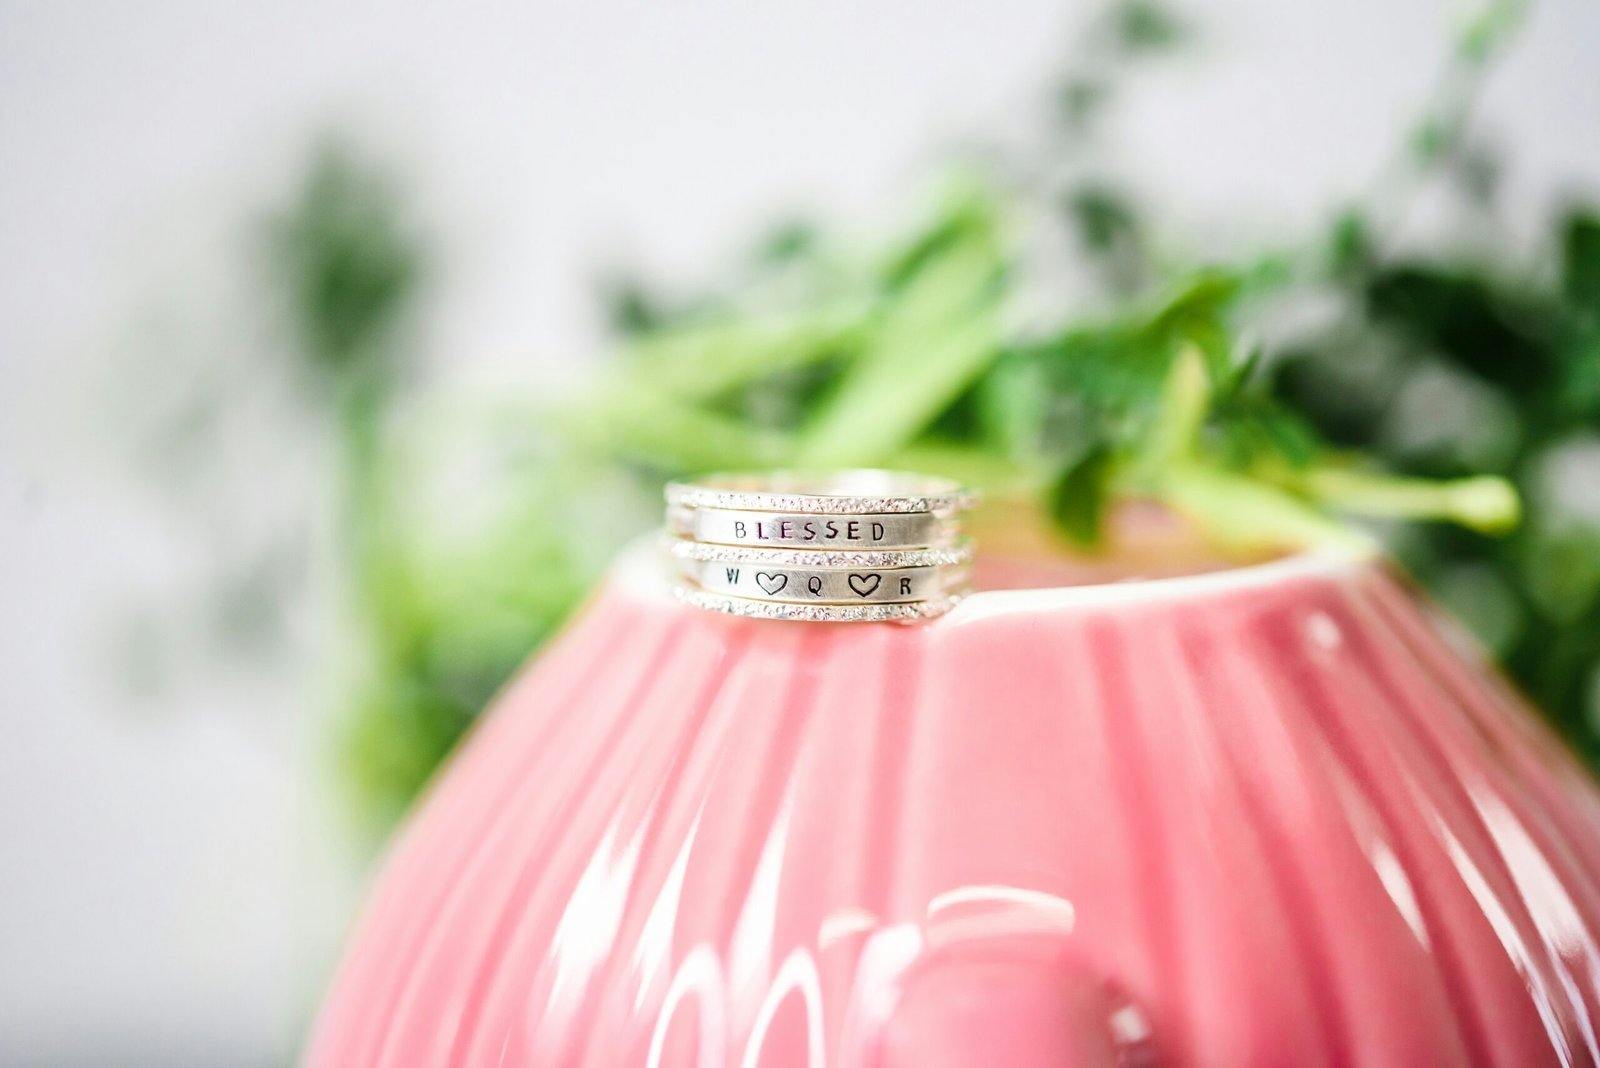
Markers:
point(1269, 816)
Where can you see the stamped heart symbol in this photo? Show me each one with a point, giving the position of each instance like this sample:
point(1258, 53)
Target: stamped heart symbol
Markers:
point(865, 584)
point(771, 581)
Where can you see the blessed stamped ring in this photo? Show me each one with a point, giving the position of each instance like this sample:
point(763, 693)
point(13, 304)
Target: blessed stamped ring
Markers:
point(799, 530)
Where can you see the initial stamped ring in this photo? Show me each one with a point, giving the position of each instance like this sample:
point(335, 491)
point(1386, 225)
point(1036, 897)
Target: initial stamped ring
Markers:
point(856, 585)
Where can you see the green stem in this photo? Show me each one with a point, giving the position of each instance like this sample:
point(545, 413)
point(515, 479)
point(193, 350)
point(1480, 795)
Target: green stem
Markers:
point(1485, 503)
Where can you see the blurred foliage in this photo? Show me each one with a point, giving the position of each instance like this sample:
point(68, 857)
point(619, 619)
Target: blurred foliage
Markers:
point(1440, 369)
point(1026, 334)
point(453, 569)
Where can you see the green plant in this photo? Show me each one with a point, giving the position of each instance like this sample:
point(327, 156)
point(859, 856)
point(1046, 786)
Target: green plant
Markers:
point(932, 350)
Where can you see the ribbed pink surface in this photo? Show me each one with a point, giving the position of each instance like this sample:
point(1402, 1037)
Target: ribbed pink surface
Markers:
point(1267, 818)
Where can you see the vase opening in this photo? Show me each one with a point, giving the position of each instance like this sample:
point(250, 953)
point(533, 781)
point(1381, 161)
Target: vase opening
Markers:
point(1141, 541)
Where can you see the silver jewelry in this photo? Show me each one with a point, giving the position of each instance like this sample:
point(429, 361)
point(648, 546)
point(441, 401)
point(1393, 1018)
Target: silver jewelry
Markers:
point(861, 492)
point(817, 613)
point(958, 553)
point(869, 530)
point(856, 585)
point(855, 546)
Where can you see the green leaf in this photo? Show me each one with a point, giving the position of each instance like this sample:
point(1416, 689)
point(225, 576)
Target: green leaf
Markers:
point(1185, 400)
point(1580, 261)
point(1431, 140)
point(1351, 245)
point(1144, 26)
point(967, 222)
point(1103, 216)
point(1561, 572)
point(639, 424)
point(1197, 315)
point(1255, 433)
point(1580, 386)
point(1245, 515)
point(1489, 29)
point(348, 265)
point(1110, 231)
point(703, 361)
point(1080, 101)
point(1467, 319)
point(793, 240)
point(1077, 497)
point(1484, 503)
point(935, 337)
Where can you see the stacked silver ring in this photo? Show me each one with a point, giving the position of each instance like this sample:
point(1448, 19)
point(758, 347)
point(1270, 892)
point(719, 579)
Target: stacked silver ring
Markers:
point(856, 546)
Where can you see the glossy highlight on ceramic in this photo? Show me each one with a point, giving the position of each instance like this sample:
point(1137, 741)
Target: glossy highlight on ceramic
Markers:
point(1275, 816)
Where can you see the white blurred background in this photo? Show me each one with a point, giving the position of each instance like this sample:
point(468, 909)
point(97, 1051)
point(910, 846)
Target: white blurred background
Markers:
point(172, 883)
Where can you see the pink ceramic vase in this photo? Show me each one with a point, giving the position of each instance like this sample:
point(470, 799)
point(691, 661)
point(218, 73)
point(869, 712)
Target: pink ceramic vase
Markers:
point(1274, 815)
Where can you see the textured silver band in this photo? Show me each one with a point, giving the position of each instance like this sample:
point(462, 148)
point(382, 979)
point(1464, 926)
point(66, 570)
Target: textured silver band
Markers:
point(856, 585)
point(863, 492)
point(817, 613)
point(960, 552)
point(789, 530)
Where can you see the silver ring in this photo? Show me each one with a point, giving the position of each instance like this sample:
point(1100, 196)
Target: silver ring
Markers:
point(856, 585)
point(860, 531)
point(850, 547)
point(958, 553)
point(862, 492)
point(818, 613)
